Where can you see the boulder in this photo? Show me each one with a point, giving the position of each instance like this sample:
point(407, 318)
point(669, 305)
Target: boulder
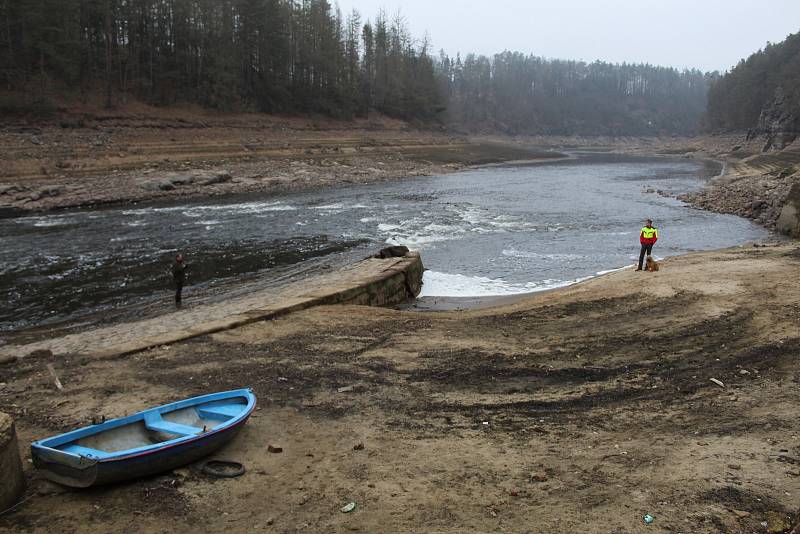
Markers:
point(216, 178)
point(182, 179)
point(392, 252)
point(10, 464)
point(52, 191)
point(789, 219)
point(9, 189)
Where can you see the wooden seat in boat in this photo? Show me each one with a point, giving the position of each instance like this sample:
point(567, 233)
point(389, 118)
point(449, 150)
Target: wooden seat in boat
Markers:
point(154, 421)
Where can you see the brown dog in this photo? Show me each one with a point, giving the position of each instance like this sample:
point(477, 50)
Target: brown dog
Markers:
point(652, 265)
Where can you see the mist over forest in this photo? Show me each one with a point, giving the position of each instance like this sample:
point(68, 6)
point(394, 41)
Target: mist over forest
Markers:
point(306, 57)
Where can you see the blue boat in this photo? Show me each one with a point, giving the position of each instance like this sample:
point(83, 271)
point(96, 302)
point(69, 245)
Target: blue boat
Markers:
point(146, 443)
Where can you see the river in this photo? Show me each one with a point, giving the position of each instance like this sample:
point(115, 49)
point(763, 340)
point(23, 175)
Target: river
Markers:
point(491, 231)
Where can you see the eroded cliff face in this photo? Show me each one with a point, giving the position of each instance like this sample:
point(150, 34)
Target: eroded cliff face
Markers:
point(757, 185)
point(779, 123)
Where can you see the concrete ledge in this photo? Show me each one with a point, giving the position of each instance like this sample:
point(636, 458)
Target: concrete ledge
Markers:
point(12, 480)
point(399, 280)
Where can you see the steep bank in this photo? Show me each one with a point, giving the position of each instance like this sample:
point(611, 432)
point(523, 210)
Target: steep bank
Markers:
point(518, 418)
point(139, 154)
point(755, 184)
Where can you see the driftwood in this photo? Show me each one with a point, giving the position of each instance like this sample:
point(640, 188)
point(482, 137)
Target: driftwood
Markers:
point(53, 374)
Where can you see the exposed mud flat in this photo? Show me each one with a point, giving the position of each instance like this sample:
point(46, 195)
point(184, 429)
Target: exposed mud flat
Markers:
point(577, 410)
point(144, 154)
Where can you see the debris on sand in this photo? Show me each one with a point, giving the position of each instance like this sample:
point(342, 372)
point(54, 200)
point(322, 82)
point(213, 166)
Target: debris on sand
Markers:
point(274, 449)
point(347, 508)
point(223, 469)
point(541, 476)
point(777, 523)
point(718, 382)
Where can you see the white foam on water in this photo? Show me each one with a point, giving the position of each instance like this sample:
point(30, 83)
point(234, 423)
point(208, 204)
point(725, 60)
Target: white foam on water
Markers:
point(338, 206)
point(601, 273)
point(45, 221)
point(436, 284)
point(51, 223)
point(198, 211)
point(417, 240)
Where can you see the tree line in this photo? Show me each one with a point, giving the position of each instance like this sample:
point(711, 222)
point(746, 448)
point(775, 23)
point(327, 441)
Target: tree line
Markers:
point(736, 99)
point(520, 93)
point(264, 55)
point(304, 56)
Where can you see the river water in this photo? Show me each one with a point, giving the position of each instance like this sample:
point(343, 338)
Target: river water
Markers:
point(492, 231)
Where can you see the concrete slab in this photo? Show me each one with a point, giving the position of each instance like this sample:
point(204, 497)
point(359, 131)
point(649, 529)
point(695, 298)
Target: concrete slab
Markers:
point(373, 282)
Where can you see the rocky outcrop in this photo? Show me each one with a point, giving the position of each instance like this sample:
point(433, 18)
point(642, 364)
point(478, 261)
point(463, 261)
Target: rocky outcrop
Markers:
point(761, 198)
point(789, 219)
point(779, 123)
point(203, 178)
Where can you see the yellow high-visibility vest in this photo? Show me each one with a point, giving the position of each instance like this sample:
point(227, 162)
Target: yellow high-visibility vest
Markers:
point(649, 232)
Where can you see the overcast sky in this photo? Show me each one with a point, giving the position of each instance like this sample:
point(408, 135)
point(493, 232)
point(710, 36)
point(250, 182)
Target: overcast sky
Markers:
point(705, 34)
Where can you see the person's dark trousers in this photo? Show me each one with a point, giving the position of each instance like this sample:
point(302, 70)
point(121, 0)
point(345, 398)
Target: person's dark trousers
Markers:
point(178, 290)
point(646, 249)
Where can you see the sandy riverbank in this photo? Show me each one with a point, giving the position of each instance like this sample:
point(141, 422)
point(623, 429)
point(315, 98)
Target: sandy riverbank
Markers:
point(575, 410)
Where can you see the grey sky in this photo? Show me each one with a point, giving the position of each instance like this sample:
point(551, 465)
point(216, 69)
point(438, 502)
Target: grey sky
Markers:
point(706, 34)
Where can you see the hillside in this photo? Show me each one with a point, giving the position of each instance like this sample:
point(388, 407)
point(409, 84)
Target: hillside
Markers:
point(306, 58)
point(760, 95)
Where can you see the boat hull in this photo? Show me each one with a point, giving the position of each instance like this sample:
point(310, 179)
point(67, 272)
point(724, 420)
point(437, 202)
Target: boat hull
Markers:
point(98, 473)
point(85, 457)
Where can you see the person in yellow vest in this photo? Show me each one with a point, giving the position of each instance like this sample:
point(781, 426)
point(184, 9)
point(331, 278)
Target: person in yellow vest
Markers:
point(647, 238)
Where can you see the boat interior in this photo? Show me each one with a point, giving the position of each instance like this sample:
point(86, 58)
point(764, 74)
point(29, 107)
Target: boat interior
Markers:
point(155, 427)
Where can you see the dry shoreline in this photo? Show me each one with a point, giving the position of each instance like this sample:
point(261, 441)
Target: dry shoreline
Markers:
point(585, 408)
point(131, 158)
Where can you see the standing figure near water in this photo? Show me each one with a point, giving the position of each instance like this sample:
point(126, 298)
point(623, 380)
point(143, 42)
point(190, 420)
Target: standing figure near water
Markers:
point(179, 277)
point(647, 238)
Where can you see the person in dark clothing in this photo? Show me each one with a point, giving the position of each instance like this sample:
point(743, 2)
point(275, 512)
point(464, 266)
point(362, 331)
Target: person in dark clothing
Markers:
point(179, 277)
point(647, 238)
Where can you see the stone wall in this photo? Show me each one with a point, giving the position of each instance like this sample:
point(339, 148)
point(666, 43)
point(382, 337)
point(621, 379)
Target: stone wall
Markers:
point(12, 480)
point(395, 285)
